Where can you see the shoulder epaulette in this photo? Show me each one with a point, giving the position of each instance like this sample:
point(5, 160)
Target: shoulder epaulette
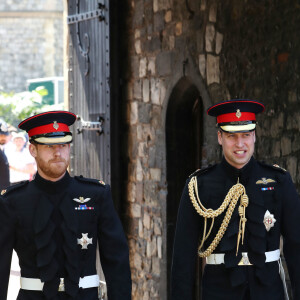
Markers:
point(14, 187)
point(274, 167)
point(90, 180)
point(201, 171)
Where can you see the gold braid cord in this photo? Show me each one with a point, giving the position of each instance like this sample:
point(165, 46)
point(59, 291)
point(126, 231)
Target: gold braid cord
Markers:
point(230, 201)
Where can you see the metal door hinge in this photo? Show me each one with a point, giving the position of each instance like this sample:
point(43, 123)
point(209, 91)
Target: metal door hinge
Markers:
point(90, 125)
point(79, 17)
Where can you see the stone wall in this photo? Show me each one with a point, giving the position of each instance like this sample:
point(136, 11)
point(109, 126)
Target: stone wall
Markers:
point(227, 49)
point(31, 35)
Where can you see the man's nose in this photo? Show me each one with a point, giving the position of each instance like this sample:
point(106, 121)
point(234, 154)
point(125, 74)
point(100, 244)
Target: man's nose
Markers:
point(57, 151)
point(239, 142)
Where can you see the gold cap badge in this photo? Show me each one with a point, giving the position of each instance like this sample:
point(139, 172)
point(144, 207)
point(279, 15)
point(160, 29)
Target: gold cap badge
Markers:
point(55, 125)
point(238, 113)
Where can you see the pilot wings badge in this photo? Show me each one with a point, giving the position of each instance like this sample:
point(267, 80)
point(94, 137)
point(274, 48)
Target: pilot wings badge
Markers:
point(265, 181)
point(82, 200)
point(82, 205)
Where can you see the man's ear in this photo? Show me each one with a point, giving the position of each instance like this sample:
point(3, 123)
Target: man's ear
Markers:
point(220, 137)
point(33, 150)
point(254, 136)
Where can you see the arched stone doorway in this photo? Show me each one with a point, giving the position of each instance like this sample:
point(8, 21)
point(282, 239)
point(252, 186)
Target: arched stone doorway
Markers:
point(184, 139)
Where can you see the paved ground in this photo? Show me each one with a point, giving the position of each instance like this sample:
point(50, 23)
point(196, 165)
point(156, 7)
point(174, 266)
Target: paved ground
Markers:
point(14, 280)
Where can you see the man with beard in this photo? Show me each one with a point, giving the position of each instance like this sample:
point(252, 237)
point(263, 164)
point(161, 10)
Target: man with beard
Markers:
point(232, 214)
point(55, 221)
point(4, 166)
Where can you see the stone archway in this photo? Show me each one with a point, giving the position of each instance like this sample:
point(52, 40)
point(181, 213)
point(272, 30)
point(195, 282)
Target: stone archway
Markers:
point(184, 139)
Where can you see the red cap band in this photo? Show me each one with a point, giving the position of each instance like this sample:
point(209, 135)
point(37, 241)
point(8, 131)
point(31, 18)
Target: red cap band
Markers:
point(53, 127)
point(235, 117)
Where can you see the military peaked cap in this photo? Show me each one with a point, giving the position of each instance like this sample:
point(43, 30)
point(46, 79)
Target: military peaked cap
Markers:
point(50, 127)
point(237, 115)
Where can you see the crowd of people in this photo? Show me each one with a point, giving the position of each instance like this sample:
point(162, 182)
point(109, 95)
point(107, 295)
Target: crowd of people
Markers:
point(16, 163)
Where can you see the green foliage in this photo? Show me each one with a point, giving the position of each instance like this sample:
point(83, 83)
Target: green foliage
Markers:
point(16, 107)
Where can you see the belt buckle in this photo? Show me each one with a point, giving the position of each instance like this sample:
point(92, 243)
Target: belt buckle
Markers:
point(61, 287)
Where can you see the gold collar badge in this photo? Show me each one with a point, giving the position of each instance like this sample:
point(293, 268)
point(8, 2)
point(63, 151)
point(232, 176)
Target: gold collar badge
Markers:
point(3, 192)
point(265, 181)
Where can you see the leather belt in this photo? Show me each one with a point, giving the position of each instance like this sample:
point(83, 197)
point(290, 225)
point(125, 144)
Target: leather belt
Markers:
point(218, 258)
point(35, 284)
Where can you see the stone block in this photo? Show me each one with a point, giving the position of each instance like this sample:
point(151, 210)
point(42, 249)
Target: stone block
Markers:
point(168, 16)
point(136, 210)
point(155, 266)
point(137, 261)
point(219, 42)
point(200, 41)
point(155, 92)
point(131, 192)
point(178, 29)
point(137, 46)
point(139, 171)
point(202, 65)
point(286, 146)
point(276, 148)
point(171, 43)
point(152, 157)
point(135, 65)
point(153, 44)
point(137, 33)
point(295, 143)
point(292, 97)
point(159, 21)
point(157, 227)
point(144, 112)
point(151, 247)
point(147, 220)
point(210, 37)
point(163, 63)
point(151, 65)
point(291, 165)
point(155, 174)
point(137, 90)
point(141, 229)
point(212, 16)
point(139, 191)
point(146, 90)
point(133, 112)
point(159, 247)
point(213, 69)
point(149, 192)
point(138, 16)
point(143, 67)
point(142, 149)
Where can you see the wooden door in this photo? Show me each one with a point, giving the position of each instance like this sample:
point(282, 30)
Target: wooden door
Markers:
point(89, 87)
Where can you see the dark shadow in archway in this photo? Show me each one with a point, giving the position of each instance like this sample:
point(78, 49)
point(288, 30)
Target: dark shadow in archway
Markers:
point(184, 136)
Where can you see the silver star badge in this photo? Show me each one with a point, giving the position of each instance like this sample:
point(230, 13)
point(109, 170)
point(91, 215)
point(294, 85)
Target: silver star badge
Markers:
point(269, 220)
point(84, 241)
point(82, 200)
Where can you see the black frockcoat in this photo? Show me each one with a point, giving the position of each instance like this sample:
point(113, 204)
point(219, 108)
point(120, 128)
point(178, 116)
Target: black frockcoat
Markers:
point(229, 281)
point(4, 171)
point(39, 220)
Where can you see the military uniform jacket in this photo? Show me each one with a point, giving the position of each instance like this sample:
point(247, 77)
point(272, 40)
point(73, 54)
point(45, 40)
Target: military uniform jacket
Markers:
point(44, 223)
point(269, 189)
point(4, 171)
